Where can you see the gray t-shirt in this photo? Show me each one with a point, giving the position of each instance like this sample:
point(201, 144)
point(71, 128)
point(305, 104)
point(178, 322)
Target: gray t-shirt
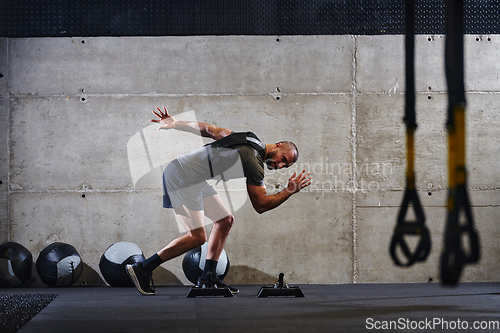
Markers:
point(230, 163)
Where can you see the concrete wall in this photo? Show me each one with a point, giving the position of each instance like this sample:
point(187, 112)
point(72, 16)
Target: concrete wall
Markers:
point(69, 107)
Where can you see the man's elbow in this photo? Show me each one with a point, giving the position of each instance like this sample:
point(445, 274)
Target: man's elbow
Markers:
point(259, 209)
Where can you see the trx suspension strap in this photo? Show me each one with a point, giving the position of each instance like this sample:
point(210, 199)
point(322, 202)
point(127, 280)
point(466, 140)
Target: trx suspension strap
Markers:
point(403, 226)
point(454, 255)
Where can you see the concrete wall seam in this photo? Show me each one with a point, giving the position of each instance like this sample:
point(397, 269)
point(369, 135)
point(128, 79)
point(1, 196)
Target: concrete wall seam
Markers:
point(5, 227)
point(354, 163)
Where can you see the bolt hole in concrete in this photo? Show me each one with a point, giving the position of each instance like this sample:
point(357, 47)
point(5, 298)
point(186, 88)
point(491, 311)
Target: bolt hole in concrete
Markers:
point(277, 40)
point(429, 194)
point(82, 90)
point(1, 75)
point(1, 182)
point(477, 39)
point(430, 88)
point(429, 97)
point(278, 98)
point(83, 195)
point(489, 39)
point(431, 280)
point(83, 41)
point(278, 89)
point(83, 99)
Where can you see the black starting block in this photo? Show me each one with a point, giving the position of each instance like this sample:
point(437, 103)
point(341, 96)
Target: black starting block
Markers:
point(280, 290)
point(210, 291)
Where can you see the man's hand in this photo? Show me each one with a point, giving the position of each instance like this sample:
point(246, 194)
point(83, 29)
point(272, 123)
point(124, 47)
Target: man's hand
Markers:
point(196, 127)
point(295, 184)
point(262, 202)
point(164, 119)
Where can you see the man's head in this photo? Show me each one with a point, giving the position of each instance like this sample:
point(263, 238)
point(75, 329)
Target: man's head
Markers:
point(281, 155)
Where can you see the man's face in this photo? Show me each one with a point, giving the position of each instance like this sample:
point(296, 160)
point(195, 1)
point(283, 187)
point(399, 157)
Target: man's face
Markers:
point(280, 157)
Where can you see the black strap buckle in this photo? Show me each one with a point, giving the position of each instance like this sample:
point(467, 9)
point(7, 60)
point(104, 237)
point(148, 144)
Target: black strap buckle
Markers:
point(410, 228)
point(213, 155)
point(207, 148)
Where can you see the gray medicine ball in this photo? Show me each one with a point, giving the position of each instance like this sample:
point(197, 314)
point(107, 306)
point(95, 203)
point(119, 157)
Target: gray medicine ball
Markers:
point(194, 263)
point(114, 260)
point(59, 265)
point(15, 264)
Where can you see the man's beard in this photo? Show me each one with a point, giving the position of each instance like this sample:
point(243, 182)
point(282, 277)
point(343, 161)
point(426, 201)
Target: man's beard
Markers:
point(271, 164)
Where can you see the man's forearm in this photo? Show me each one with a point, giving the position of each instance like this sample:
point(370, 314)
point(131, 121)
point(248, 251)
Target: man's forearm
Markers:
point(272, 201)
point(203, 129)
point(194, 127)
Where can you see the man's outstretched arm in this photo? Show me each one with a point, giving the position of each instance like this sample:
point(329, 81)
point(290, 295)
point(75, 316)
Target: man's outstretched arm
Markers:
point(262, 202)
point(205, 130)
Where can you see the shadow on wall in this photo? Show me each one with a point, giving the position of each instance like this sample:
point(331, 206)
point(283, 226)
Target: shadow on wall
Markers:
point(92, 278)
point(89, 277)
point(248, 275)
point(163, 277)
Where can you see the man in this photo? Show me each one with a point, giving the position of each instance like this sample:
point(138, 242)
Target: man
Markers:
point(186, 191)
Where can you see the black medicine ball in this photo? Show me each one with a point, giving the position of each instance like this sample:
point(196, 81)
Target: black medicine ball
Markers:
point(114, 260)
point(194, 263)
point(15, 264)
point(59, 265)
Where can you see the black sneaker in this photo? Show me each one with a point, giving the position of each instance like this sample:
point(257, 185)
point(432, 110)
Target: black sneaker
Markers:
point(216, 283)
point(142, 280)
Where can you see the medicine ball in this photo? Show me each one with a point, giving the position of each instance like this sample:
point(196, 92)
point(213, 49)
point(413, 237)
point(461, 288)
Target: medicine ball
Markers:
point(15, 264)
point(114, 260)
point(59, 265)
point(194, 263)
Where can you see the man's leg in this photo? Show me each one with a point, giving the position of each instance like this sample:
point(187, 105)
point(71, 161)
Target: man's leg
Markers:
point(196, 235)
point(223, 221)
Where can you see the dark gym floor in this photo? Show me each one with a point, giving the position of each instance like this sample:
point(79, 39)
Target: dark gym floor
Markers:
point(325, 308)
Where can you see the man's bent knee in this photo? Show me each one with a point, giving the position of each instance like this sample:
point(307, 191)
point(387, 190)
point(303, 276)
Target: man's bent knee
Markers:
point(199, 236)
point(226, 222)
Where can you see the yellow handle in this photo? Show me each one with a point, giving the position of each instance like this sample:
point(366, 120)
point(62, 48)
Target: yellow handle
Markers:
point(456, 151)
point(459, 114)
point(410, 158)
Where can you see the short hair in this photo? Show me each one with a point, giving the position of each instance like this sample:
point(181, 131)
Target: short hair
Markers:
point(294, 147)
